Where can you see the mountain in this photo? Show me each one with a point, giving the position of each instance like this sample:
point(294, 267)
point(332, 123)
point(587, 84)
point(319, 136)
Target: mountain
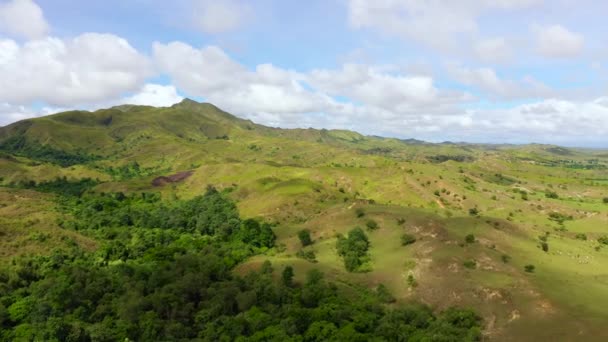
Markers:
point(450, 224)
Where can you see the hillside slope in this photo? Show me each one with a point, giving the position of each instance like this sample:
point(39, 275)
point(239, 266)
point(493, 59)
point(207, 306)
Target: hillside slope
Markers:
point(526, 205)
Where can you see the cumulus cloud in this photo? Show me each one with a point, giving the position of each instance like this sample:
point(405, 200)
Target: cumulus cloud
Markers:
point(154, 95)
point(91, 67)
point(210, 73)
point(11, 113)
point(558, 42)
point(493, 50)
point(486, 80)
point(381, 88)
point(23, 18)
point(548, 121)
point(218, 16)
point(434, 23)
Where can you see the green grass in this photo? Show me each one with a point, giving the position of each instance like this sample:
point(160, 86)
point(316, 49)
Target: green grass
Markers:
point(317, 179)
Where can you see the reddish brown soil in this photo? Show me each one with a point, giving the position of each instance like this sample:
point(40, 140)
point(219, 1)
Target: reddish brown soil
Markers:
point(174, 178)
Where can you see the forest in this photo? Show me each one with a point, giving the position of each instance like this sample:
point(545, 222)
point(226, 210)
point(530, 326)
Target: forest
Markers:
point(163, 271)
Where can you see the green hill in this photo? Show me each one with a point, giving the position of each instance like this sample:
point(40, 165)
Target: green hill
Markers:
point(525, 205)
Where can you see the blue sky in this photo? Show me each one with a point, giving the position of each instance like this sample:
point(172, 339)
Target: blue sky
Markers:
point(514, 71)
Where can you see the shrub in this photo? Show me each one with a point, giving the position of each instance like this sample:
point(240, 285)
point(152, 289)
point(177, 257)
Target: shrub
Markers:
point(505, 258)
point(581, 236)
point(551, 194)
point(529, 268)
point(371, 225)
point(469, 238)
point(411, 281)
point(359, 212)
point(407, 239)
point(473, 211)
point(544, 246)
point(304, 236)
point(603, 240)
point(384, 294)
point(308, 255)
point(470, 264)
point(605, 200)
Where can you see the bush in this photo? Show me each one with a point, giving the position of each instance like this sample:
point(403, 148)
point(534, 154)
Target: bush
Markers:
point(605, 200)
point(544, 246)
point(308, 255)
point(581, 236)
point(384, 294)
point(407, 239)
point(529, 268)
point(304, 236)
point(551, 194)
point(411, 281)
point(359, 212)
point(371, 224)
point(505, 258)
point(474, 212)
point(603, 240)
point(469, 238)
point(470, 264)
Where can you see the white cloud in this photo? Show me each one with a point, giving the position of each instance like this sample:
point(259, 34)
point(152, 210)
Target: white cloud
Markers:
point(23, 18)
point(493, 50)
point(154, 95)
point(11, 113)
point(380, 88)
point(218, 16)
point(547, 121)
point(210, 73)
point(434, 22)
point(89, 68)
point(486, 80)
point(558, 42)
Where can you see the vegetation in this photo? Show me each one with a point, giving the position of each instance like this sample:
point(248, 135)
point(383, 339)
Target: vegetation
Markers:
point(407, 239)
point(304, 236)
point(18, 146)
point(353, 249)
point(529, 268)
point(470, 264)
point(371, 224)
point(118, 212)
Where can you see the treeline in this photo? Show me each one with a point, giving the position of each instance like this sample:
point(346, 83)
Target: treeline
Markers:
point(164, 272)
point(18, 146)
point(60, 185)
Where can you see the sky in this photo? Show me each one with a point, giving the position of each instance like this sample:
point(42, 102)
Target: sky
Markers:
point(486, 71)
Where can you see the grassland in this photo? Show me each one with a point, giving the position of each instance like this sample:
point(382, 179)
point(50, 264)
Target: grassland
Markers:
point(319, 180)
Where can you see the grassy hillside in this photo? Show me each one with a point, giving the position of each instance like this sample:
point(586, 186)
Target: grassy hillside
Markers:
point(480, 214)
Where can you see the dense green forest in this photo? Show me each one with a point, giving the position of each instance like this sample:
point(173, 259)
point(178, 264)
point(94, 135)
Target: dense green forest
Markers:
point(164, 272)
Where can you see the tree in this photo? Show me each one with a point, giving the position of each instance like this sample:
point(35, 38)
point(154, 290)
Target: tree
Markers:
point(353, 248)
point(304, 236)
point(287, 276)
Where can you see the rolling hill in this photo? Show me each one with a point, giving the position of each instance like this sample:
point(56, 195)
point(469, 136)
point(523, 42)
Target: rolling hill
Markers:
point(518, 233)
